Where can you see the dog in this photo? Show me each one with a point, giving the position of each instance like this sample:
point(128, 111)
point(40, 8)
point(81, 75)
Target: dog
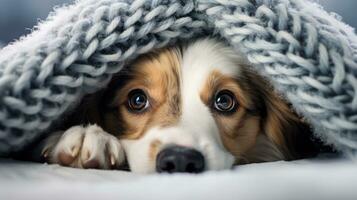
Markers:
point(188, 108)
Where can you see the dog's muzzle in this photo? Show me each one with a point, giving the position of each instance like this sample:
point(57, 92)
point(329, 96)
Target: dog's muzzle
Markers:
point(179, 159)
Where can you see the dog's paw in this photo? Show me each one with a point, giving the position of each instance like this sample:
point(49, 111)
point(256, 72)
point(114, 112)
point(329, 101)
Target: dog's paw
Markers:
point(84, 147)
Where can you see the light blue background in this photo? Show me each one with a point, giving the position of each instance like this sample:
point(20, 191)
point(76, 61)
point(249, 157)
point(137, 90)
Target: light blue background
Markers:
point(17, 17)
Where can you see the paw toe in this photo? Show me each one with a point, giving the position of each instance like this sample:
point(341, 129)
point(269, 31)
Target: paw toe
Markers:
point(91, 164)
point(65, 158)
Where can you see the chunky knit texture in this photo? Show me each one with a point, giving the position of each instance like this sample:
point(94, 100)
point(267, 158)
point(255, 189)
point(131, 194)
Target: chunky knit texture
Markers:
point(310, 57)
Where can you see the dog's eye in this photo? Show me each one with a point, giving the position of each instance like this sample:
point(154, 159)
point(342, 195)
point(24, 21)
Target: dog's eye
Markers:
point(225, 101)
point(137, 100)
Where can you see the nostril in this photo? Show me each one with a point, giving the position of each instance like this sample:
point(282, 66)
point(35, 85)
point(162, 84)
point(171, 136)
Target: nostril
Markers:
point(168, 167)
point(166, 161)
point(191, 168)
point(195, 164)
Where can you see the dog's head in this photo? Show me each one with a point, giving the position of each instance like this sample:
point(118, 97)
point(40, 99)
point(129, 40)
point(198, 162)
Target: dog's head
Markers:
point(194, 108)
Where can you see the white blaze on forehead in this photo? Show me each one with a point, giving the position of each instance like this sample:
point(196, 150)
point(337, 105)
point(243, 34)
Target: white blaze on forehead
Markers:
point(205, 56)
point(199, 60)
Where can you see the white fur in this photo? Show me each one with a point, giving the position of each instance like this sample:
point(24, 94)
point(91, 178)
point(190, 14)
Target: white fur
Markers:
point(84, 144)
point(196, 128)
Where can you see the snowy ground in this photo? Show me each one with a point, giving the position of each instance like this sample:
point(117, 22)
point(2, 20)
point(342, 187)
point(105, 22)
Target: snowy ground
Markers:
point(304, 179)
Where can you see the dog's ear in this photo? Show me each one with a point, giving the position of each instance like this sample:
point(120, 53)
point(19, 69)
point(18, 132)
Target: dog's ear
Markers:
point(288, 131)
point(280, 123)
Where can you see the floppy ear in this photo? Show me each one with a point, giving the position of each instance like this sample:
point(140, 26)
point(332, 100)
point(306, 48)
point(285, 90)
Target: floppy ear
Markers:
point(288, 131)
point(280, 124)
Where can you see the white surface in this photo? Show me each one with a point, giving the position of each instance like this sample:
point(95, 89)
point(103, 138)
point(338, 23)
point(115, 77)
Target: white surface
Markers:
point(304, 179)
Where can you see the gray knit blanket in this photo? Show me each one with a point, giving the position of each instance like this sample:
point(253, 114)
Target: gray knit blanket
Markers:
point(309, 56)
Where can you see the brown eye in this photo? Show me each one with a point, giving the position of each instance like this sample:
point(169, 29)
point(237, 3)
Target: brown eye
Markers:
point(137, 100)
point(225, 102)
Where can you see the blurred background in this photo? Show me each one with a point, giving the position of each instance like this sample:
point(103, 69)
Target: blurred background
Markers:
point(17, 17)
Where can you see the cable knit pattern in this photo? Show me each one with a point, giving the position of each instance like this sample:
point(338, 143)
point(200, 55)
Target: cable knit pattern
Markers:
point(309, 56)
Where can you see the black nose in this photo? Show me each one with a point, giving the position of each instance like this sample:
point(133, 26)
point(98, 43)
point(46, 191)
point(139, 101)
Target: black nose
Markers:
point(179, 159)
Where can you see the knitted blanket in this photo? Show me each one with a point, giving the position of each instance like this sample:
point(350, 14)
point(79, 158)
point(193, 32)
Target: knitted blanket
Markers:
point(309, 56)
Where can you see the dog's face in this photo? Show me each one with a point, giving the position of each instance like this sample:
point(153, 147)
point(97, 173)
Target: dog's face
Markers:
point(196, 108)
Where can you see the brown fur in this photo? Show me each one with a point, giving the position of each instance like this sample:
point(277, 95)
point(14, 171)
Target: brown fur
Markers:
point(280, 124)
point(239, 130)
point(158, 75)
point(154, 149)
point(261, 111)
